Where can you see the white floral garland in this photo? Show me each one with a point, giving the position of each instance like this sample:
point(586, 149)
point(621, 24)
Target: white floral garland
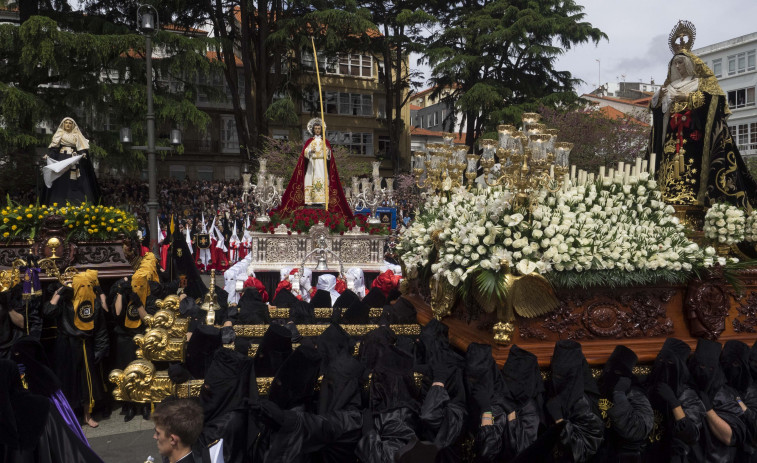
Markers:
point(607, 225)
point(750, 230)
point(724, 223)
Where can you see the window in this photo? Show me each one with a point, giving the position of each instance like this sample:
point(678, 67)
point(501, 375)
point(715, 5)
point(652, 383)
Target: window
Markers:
point(356, 65)
point(745, 136)
point(741, 62)
point(344, 104)
point(229, 140)
point(356, 142)
point(325, 64)
point(741, 98)
point(753, 137)
point(177, 172)
point(280, 134)
point(717, 67)
point(436, 118)
point(204, 173)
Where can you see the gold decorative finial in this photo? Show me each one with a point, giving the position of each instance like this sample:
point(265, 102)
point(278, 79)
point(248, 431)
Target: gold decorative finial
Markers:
point(53, 243)
point(682, 37)
point(209, 304)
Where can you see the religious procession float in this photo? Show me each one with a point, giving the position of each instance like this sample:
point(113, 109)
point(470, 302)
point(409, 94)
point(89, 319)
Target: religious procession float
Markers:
point(511, 246)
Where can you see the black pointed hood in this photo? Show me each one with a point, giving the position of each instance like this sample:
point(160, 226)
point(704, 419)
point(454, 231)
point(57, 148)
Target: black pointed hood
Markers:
point(704, 367)
point(274, 349)
point(294, 383)
point(522, 376)
point(229, 384)
point(734, 361)
point(670, 366)
point(619, 365)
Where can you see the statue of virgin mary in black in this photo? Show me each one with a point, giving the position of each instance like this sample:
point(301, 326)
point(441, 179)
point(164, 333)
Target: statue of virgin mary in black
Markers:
point(68, 173)
point(697, 160)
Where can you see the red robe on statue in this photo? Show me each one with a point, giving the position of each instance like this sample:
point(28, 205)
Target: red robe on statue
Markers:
point(294, 196)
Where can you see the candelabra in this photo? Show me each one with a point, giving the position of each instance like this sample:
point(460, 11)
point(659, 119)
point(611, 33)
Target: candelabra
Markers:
point(443, 165)
point(530, 160)
point(369, 194)
point(266, 194)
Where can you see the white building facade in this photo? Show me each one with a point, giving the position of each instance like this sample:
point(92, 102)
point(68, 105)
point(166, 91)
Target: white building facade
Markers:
point(734, 63)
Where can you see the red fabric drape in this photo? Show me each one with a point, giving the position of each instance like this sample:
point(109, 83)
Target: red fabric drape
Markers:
point(294, 195)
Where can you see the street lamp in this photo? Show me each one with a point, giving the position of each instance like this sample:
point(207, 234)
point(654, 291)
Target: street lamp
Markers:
point(148, 25)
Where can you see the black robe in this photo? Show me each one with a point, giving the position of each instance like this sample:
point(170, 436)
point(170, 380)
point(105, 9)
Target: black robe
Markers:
point(78, 354)
point(84, 188)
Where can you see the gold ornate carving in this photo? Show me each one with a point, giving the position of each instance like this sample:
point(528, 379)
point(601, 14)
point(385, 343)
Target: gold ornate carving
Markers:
point(503, 332)
point(257, 331)
point(322, 312)
point(158, 346)
point(443, 297)
point(169, 321)
point(140, 382)
point(171, 303)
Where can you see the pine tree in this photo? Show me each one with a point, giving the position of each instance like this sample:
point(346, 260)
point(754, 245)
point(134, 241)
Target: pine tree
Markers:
point(50, 71)
point(498, 57)
point(401, 24)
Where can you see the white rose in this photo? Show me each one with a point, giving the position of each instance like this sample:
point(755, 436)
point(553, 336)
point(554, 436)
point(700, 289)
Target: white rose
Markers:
point(525, 267)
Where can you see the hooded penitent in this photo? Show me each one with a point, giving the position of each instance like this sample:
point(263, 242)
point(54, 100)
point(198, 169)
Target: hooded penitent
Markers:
point(670, 367)
point(229, 381)
point(357, 313)
point(704, 367)
point(392, 384)
point(321, 299)
point(484, 384)
point(200, 349)
point(24, 414)
point(734, 361)
point(252, 309)
point(375, 298)
point(328, 282)
point(274, 349)
point(401, 312)
point(374, 344)
point(523, 377)
point(294, 383)
point(445, 365)
point(345, 299)
point(342, 374)
point(619, 365)
point(257, 284)
point(571, 377)
point(84, 299)
point(283, 296)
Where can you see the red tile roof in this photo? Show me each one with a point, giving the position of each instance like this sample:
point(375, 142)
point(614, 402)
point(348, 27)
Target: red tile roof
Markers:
point(609, 98)
point(459, 138)
point(612, 113)
point(414, 107)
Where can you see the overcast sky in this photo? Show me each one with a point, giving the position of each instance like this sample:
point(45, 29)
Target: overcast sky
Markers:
point(637, 32)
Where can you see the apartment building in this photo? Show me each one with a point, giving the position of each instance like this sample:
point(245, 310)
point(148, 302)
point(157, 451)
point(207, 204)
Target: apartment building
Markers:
point(734, 63)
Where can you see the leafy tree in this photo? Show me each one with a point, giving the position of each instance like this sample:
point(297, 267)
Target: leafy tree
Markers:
point(282, 157)
point(264, 40)
point(597, 139)
point(49, 72)
point(401, 24)
point(498, 57)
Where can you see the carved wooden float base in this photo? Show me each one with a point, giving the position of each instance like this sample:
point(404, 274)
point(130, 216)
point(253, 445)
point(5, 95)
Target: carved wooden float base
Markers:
point(641, 318)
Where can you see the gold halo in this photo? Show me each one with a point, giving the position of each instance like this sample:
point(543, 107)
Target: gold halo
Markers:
point(682, 37)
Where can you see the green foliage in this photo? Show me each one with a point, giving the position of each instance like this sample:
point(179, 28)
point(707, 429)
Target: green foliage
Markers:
point(499, 57)
point(50, 71)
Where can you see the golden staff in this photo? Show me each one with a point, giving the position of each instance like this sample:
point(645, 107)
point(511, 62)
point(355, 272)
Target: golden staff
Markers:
point(323, 121)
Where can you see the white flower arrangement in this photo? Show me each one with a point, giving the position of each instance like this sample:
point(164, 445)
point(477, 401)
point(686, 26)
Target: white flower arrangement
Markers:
point(750, 229)
point(724, 223)
point(611, 231)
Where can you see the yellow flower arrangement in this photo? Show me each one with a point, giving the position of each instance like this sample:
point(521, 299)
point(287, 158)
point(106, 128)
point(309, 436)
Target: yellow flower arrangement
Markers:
point(84, 222)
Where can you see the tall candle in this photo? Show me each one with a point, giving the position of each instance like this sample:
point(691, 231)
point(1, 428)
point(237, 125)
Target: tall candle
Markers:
point(572, 171)
point(638, 165)
point(601, 171)
point(644, 165)
point(652, 159)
